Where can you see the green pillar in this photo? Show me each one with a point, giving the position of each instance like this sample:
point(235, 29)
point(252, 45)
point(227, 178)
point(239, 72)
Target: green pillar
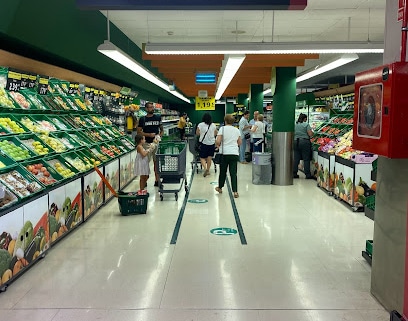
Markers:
point(284, 103)
point(256, 98)
point(242, 99)
point(229, 109)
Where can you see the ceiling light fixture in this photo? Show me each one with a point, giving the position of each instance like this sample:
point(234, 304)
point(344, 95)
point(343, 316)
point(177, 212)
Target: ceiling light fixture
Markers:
point(263, 48)
point(113, 52)
point(229, 68)
point(332, 64)
point(267, 91)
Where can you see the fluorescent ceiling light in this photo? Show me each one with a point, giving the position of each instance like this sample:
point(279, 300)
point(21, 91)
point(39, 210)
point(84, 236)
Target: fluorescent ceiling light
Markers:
point(319, 69)
point(229, 68)
point(267, 91)
point(263, 48)
point(113, 52)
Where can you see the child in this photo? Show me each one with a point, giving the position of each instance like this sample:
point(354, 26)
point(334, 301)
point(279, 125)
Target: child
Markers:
point(142, 167)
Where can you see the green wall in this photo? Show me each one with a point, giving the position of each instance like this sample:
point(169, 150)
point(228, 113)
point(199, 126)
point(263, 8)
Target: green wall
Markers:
point(58, 33)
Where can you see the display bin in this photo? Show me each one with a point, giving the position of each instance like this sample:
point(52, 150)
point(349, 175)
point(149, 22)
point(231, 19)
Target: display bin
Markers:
point(77, 161)
point(96, 149)
point(59, 100)
point(20, 181)
point(35, 144)
point(66, 139)
point(45, 123)
point(88, 156)
point(78, 119)
point(132, 203)
point(93, 135)
point(28, 123)
point(111, 133)
point(102, 132)
point(13, 148)
point(43, 172)
point(117, 132)
point(10, 125)
point(5, 161)
point(61, 166)
point(51, 104)
point(89, 122)
point(80, 138)
point(370, 202)
point(7, 103)
point(60, 122)
point(127, 142)
point(369, 247)
point(35, 100)
point(111, 146)
point(22, 101)
point(123, 148)
point(71, 121)
point(71, 103)
point(54, 142)
point(8, 199)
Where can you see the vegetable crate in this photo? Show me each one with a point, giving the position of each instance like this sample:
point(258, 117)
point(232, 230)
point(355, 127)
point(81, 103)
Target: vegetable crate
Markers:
point(132, 203)
point(370, 202)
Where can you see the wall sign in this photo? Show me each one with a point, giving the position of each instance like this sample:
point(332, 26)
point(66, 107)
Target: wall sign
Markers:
point(205, 103)
point(192, 5)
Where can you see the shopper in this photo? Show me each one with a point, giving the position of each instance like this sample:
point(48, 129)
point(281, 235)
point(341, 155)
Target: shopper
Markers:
point(244, 129)
point(302, 147)
point(142, 167)
point(228, 141)
point(258, 133)
point(206, 130)
point(181, 125)
point(151, 126)
point(252, 123)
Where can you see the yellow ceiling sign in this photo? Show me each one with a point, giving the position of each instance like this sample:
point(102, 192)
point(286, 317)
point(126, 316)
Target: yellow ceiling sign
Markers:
point(207, 103)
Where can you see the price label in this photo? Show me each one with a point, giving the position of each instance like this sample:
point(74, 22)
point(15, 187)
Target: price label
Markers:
point(13, 80)
point(42, 88)
point(207, 103)
point(32, 79)
point(73, 88)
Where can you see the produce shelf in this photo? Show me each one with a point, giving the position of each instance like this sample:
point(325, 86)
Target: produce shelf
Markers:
point(13, 148)
point(43, 172)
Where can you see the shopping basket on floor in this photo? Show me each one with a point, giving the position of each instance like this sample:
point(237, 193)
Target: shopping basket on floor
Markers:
point(130, 203)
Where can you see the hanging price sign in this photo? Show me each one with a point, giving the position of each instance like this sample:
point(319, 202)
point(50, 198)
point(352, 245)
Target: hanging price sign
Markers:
point(42, 88)
point(207, 103)
point(13, 80)
point(73, 88)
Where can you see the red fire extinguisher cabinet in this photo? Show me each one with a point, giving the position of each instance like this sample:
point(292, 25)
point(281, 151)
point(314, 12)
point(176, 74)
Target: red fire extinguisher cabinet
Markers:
point(381, 110)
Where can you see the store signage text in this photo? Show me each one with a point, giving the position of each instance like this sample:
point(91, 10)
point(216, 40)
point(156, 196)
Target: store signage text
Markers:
point(205, 103)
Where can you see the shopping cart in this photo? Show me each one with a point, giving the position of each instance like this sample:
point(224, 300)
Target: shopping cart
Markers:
point(171, 166)
point(192, 142)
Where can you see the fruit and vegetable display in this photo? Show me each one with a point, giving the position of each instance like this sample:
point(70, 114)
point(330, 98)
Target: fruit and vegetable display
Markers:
point(78, 163)
point(35, 146)
point(54, 143)
point(61, 168)
point(35, 100)
point(59, 124)
point(42, 173)
point(18, 184)
point(5, 100)
point(8, 199)
point(10, 125)
point(15, 152)
point(20, 100)
point(100, 155)
point(128, 144)
point(107, 151)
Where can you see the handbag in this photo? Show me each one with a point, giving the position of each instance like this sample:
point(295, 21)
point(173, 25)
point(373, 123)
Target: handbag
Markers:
point(218, 156)
point(247, 135)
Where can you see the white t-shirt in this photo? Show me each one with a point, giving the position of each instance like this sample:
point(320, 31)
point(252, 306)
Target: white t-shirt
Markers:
point(209, 138)
point(229, 140)
point(260, 130)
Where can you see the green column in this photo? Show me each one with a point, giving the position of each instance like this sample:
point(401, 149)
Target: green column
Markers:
point(284, 103)
point(284, 100)
point(229, 109)
point(256, 98)
point(242, 99)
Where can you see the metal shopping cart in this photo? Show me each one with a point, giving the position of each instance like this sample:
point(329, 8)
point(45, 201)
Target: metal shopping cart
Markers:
point(171, 165)
point(192, 142)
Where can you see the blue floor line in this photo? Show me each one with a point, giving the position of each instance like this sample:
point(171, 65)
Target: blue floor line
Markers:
point(236, 215)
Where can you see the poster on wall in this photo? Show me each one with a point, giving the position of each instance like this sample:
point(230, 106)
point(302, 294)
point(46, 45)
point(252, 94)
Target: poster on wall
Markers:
point(369, 121)
point(112, 175)
point(12, 234)
point(93, 193)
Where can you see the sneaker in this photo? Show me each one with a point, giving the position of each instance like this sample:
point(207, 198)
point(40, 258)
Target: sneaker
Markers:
point(309, 177)
point(156, 183)
point(296, 176)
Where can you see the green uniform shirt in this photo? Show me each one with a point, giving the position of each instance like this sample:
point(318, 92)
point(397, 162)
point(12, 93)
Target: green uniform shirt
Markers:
point(301, 130)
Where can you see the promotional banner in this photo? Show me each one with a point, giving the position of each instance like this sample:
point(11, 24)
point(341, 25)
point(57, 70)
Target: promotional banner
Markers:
point(207, 103)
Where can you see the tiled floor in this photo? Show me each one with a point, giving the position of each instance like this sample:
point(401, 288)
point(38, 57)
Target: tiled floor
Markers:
point(302, 261)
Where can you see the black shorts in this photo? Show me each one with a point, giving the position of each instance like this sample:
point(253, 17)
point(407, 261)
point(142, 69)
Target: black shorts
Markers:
point(207, 151)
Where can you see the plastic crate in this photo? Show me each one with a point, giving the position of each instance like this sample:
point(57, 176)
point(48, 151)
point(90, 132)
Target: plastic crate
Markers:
point(370, 202)
point(132, 203)
point(374, 164)
point(20, 181)
point(369, 247)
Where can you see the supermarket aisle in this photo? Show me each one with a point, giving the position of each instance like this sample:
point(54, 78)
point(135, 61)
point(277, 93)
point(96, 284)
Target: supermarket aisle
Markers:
point(302, 261)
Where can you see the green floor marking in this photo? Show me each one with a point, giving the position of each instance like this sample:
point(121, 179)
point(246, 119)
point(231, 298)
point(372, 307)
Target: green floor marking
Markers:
point(198, 200)
point(214, 183)
point(223, 231)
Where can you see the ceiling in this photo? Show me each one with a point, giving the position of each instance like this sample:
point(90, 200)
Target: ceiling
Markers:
point(322, 20)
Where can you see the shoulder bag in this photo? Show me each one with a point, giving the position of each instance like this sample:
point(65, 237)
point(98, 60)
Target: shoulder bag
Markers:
point(218, 156)
point(198, 142)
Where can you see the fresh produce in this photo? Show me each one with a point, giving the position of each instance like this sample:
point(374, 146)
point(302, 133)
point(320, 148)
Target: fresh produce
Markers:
point(63, 170)
point(2, 164)
point(14, 151)
point(20, 99)
point(8, 199)
point(18, 184)
point(41, 173)
point(35, 100)
point(11, 125)
point(101, 156)
point(5, 101)
point(36, 146)
point(107, 151)
point(78, 163)
point(32, 125)
point(54, 143)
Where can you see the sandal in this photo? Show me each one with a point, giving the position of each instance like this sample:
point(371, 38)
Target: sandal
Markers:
point(219, 190)
point(236, 195)
point(206, 173)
